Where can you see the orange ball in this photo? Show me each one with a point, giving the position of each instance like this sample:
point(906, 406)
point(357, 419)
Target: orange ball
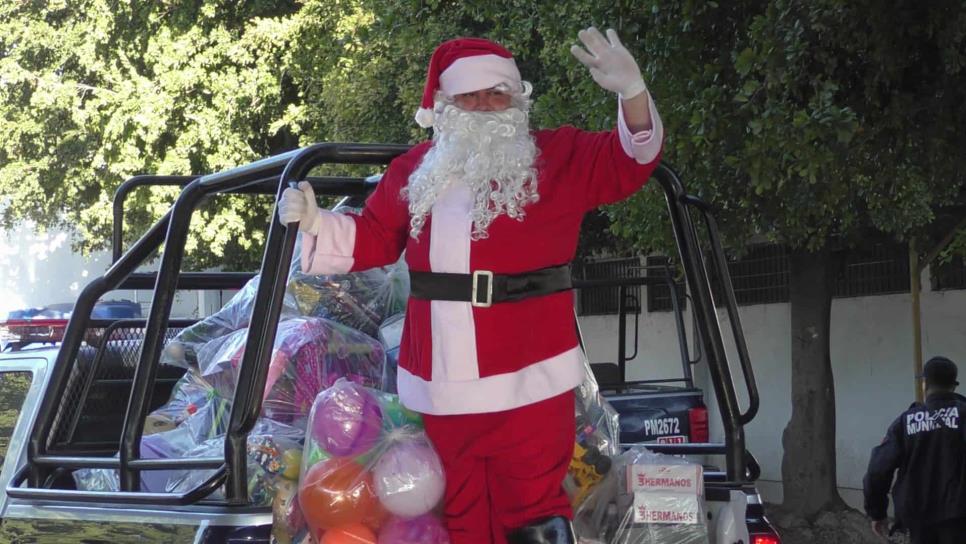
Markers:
point(336, 492)
point(355, 533)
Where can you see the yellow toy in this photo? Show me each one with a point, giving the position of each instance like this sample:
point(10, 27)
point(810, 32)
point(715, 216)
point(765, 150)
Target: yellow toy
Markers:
point(587, 467)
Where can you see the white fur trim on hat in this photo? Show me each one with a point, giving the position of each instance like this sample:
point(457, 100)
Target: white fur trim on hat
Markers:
point(479, 72)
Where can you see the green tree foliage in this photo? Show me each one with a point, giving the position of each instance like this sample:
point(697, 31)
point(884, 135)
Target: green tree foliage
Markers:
point(94, 92)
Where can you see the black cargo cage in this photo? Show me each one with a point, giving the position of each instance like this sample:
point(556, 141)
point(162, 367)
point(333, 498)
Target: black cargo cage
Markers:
point(108, 368)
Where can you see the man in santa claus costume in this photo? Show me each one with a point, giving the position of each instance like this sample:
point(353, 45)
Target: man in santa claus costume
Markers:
point(489, 214)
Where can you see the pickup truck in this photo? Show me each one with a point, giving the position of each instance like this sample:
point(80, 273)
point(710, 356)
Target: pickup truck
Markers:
point(663, 410)
point(81, 404)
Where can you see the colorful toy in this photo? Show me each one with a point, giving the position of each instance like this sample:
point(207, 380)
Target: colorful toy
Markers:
point(336, 492)
point(355, 533)
point(286, 516)
point(587, 467)
point(409, 478)
point(425, 529)
point(347, 420)
point(395, 415)
point(291, 462)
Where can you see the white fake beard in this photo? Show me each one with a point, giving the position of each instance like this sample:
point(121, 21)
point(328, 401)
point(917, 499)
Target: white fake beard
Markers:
point(492, 152)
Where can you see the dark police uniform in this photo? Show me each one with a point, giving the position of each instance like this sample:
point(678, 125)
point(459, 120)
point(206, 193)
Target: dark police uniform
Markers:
point(927, 445)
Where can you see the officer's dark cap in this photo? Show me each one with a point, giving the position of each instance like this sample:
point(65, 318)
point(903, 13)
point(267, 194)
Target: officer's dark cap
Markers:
point(940, 371)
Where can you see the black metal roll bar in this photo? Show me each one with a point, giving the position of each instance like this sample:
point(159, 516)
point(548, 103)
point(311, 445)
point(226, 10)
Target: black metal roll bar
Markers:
point(702, 296)
point(731, 305)
point(332, 185)
point(277, 173)
point(273, 173)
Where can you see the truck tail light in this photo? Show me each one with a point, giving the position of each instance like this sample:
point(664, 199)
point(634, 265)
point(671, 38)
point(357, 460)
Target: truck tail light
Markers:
point(765, 539)
point(26, 331)
point(698, 419)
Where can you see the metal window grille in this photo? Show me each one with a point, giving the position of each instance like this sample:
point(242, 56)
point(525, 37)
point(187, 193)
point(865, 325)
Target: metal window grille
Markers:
point(99, 388)
point(951, 275)
point(659, 295)
point(876, 269)
point(758, 277)
point(604, 300)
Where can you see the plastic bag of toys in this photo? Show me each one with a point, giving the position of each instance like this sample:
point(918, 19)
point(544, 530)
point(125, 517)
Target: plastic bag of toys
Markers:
point(196, 413)
point(274, 456)
point(647, 498)
point(369, 473)
point(597, 442)
point(235, 315)
point(309, 355)
point(359, 300)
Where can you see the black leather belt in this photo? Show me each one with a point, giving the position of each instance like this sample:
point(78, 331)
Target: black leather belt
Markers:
point(483, 288)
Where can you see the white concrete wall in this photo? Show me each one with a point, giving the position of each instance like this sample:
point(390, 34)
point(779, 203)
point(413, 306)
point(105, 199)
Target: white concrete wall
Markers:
point(37, 269)
point(871, 349)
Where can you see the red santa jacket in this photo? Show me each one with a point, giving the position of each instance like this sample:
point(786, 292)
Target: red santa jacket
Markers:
point(456, 358)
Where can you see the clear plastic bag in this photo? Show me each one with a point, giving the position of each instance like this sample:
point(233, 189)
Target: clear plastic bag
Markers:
point(273, 455)
point(183, 349)
point(390, 334)
point(647, 498)
point(368, 467)
point(597, 440)
point(359, 300)
point(309, 355)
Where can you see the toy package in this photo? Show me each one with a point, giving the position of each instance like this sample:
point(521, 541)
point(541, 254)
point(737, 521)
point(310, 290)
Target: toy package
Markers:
point(369, 473)
point(647, 498)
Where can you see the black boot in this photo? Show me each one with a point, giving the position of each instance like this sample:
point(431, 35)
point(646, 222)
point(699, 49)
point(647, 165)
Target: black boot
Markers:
point(555, 530)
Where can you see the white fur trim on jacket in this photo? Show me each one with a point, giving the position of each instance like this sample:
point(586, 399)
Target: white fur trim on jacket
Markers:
point(329, 251)
point(646, 144)
point(537, 382)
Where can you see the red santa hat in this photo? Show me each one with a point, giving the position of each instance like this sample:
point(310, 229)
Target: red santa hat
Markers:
point(465, 65)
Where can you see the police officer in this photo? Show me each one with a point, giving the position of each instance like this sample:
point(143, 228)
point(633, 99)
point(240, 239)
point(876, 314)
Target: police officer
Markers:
point(927, 445)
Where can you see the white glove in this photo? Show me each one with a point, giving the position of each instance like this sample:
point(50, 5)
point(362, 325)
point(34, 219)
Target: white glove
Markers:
point(299, 205)
point(611, 64)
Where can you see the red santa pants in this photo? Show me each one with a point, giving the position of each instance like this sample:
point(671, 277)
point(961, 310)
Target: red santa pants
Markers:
point(504, 470)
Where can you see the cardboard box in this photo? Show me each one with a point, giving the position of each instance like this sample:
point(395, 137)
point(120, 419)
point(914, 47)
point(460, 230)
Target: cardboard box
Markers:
point(687, 479)
point(667, 508)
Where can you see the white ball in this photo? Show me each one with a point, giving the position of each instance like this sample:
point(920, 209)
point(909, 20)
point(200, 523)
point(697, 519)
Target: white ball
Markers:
point(409, 478)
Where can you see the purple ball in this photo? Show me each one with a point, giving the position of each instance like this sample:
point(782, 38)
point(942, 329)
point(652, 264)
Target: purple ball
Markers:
point(347, 420)
point(425, 529)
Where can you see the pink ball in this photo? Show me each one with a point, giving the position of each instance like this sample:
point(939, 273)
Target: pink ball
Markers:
point(409, 478)
point(425, 529)
point(347, 420)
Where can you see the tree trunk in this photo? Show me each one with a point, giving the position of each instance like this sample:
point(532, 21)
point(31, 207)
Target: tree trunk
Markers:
point(808, 464)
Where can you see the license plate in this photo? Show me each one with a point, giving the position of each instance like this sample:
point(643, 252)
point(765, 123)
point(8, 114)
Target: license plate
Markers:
point(677, 439)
